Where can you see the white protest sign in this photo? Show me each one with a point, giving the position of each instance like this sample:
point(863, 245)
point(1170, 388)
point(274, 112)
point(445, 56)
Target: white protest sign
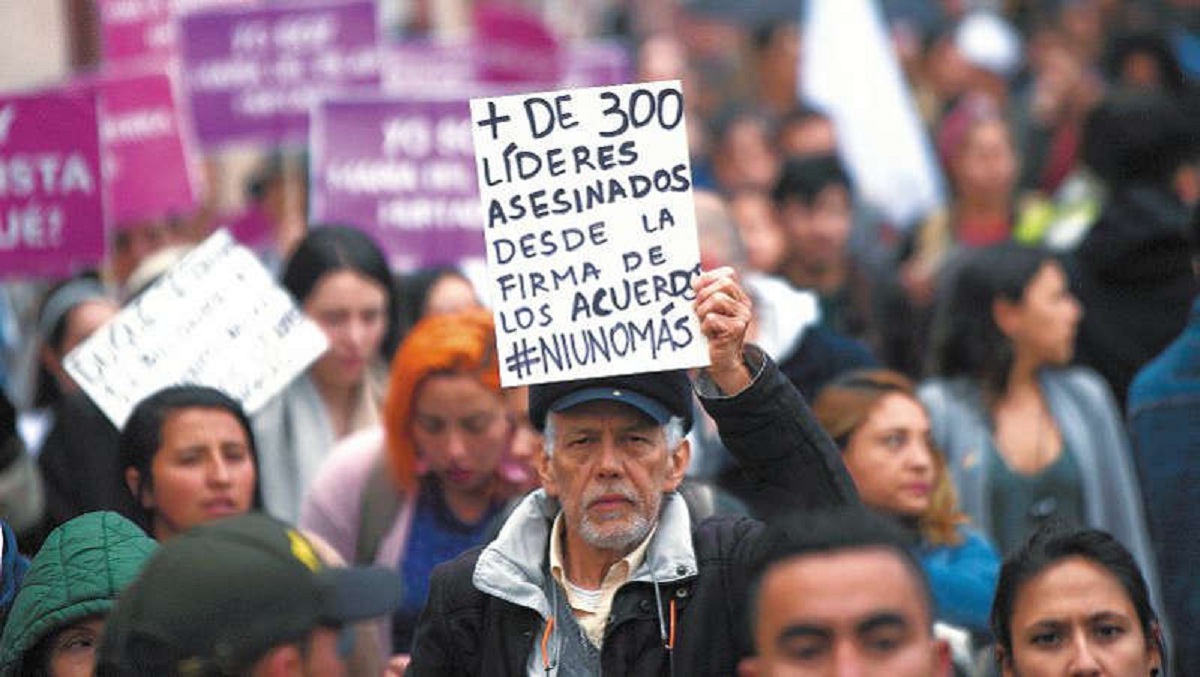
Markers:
point(216, 319)
point(591, 233)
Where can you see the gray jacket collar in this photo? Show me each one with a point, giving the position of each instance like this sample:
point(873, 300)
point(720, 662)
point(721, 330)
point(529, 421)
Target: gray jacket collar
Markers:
point(512, 567)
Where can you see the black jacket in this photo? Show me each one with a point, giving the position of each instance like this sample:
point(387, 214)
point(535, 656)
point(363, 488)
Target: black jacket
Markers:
point(772, 433)
point(1133, 275)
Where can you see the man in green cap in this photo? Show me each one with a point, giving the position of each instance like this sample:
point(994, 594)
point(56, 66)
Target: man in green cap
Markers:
point(247, 595)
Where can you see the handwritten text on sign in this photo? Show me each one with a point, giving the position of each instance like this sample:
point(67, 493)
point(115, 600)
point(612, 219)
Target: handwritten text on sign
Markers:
point(216, 318)
point(591, 234)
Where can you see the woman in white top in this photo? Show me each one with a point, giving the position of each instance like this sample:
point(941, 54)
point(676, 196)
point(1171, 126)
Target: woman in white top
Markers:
point(341, 279)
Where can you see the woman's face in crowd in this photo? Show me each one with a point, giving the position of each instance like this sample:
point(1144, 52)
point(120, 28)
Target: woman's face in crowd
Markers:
point(203, 471)
point(987, 164)
point(82, 321)
point(73, 649)
point(352, 311)
point(450, 294)
point(1042, 324)
point(1075, 618)
point(461, 431)
point(520, 466)
point(761, 233)
point(891, 459)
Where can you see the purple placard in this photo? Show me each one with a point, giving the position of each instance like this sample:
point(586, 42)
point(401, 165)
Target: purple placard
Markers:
point(402, 170)
point(449, 68)
point(252, 75)
point(146, 169)
point(428, 67)
point(517, 46)
point(51, 216)
point(596, 63)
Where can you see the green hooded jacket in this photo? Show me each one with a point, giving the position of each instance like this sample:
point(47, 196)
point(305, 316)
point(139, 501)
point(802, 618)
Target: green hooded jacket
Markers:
point(82, 567)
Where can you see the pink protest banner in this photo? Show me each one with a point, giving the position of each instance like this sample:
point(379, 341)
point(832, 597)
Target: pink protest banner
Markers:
point(131, 29)
point(519, 47)
point(51, 217)
point(146, 161)
point(252, 75)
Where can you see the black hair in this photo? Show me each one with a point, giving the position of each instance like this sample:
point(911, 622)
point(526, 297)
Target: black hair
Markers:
point(1047, 547)
point(36, 661)
point(802, 112)
point(1151, 43)
point(803, 178)
point(1138, 138)
point(413, 289)
point(141, 437)
point(729, 117)
point(829, 531)
point(965, 339)
point(329, 249)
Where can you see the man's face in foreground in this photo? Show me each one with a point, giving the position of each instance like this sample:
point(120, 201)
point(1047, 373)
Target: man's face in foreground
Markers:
point(851, 612)
point(609, 469)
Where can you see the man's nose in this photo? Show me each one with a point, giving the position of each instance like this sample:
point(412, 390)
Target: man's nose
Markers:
point(847, 660)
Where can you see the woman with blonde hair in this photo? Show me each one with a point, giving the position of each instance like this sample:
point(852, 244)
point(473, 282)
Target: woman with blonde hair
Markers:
point(425, 485)
point(883, 431)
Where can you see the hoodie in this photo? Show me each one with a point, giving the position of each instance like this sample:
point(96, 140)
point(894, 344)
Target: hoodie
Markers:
point(12, 570)
point(1132, 271)
point(79, 572)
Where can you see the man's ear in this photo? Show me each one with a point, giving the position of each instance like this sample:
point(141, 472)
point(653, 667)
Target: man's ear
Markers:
point(942, 660)
point(677, 465)
point(133, 481)
point(545, 472)
point(748, 667)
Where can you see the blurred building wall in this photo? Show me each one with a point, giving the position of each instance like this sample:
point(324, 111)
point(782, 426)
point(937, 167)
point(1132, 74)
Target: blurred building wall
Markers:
point(34, 43)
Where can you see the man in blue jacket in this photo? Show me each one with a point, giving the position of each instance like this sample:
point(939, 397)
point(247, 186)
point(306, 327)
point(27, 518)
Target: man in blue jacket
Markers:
point(1164, 424)
point(603, 571)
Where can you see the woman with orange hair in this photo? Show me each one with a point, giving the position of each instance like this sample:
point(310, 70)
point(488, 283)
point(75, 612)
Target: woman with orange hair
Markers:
point(423, 487)
point(883, 431)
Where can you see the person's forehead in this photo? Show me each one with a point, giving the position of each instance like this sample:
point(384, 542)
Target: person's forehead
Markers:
point(597, 413)
point(842, 588)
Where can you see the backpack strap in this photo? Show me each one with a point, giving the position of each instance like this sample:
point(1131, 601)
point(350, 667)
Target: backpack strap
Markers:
point(377, 511)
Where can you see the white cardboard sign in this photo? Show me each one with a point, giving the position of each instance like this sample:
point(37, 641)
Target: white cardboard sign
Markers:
point(591, 233)
point(215, 319)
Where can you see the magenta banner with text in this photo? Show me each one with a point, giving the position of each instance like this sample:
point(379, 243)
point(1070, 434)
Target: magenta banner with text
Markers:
point(146, 170)
point(51, 216)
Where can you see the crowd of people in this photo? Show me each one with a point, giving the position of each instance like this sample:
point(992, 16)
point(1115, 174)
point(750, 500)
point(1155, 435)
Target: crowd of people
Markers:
point(956, 445)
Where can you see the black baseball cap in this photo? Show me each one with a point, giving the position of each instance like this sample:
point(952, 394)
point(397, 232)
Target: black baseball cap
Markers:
point(660, 395)
point(216, 598)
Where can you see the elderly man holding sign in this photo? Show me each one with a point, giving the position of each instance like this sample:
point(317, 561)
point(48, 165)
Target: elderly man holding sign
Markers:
point(602, 570)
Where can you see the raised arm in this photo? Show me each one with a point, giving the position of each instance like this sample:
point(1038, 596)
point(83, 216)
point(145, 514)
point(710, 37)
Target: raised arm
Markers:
point(763, 420)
